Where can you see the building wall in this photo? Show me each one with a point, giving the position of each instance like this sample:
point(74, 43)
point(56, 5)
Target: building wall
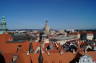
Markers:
point(90, 36)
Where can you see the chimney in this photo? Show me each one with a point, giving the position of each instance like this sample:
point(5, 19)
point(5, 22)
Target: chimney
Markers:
point(30, 48)
point(40, 58)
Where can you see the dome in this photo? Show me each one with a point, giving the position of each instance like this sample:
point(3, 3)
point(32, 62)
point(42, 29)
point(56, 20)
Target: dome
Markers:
point(86, 59)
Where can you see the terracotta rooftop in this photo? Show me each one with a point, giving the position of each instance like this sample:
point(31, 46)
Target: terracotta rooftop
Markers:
point(8, 50)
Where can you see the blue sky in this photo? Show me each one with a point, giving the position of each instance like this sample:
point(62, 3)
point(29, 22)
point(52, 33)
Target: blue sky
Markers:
point(61, 14)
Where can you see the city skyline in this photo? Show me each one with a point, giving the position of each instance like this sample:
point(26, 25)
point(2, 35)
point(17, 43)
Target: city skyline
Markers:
point(61, 14)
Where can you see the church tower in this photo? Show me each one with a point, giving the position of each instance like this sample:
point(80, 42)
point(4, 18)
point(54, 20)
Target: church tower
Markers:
point(3, 27)
point(46, 27)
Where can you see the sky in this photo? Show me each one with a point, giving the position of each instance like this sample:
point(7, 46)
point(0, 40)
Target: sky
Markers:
point(61, 14)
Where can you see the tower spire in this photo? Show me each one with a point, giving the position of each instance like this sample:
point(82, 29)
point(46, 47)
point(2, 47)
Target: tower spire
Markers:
point(46, 22)
point(46, 27)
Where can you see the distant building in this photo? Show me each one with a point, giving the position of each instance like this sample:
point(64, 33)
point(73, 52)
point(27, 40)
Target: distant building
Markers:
point(52, 32)
point(94, 38)
point(61, 31)
point(78, 35)
point(83, 36)
point(90, 36)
